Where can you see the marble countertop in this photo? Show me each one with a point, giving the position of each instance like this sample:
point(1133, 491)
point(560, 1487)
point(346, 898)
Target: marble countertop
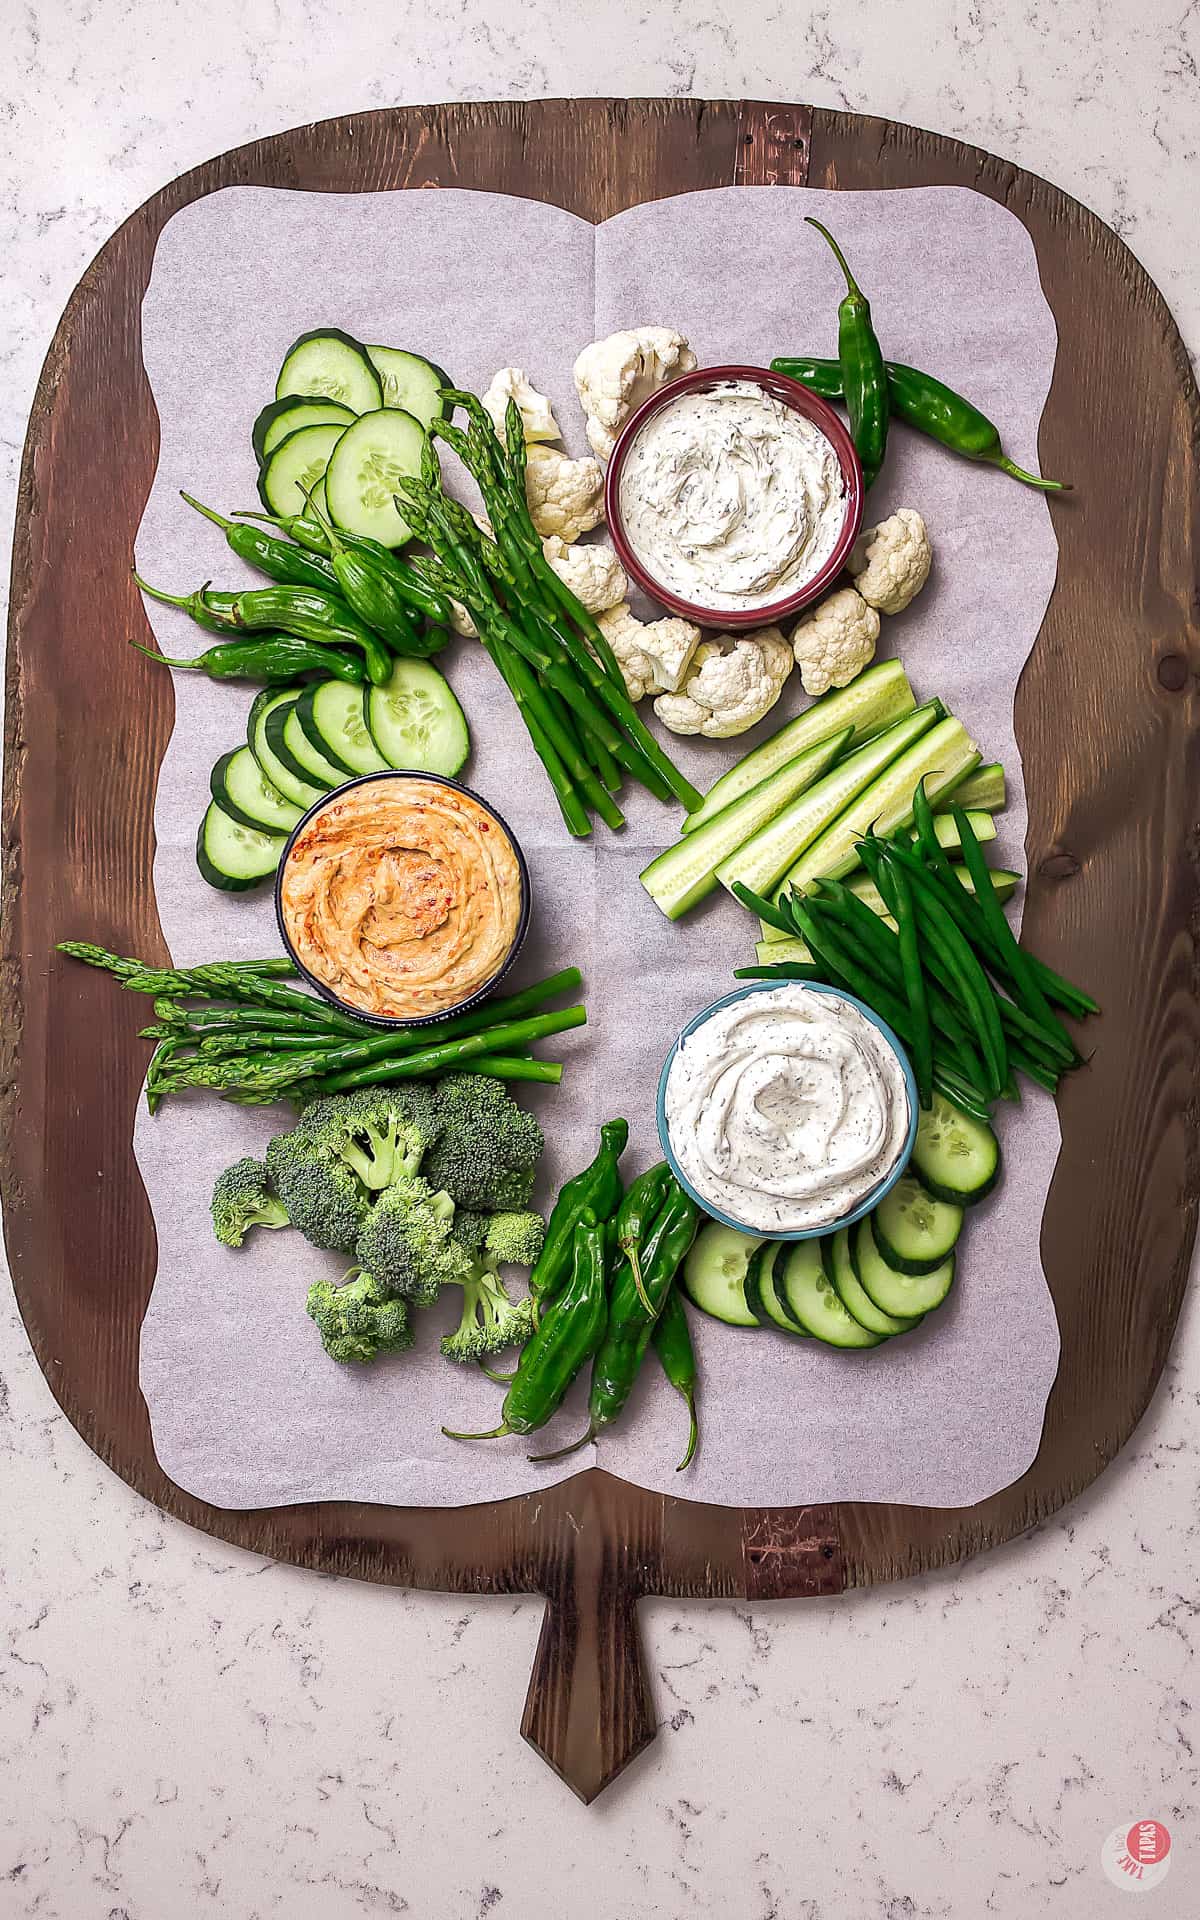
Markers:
point(187, 1730)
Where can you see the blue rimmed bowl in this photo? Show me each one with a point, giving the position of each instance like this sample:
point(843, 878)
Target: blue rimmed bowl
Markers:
point(881, 1187)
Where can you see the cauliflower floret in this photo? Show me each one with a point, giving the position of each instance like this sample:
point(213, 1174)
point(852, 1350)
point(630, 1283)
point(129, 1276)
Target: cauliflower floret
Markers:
point(835, 641)
point(537, 415)
point(565, 497)
point(728, 692)
point(614, 376)
point(891, 562)
point(594, 574)
point(653, 656)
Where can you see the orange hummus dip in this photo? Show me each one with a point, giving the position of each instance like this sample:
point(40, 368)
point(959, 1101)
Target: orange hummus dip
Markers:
point(402, 896)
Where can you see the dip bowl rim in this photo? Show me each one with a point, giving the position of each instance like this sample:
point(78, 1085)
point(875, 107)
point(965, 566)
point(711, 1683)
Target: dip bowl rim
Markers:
point(382, 1022)
point(814, 408)
point(881, 1187)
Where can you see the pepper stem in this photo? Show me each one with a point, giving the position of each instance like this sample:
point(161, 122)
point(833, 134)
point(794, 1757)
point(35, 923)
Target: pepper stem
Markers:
point(151, 654)
point(852, 286)
point(1030, 479)
point(560, 1453)
point(336, 544)
point(210, 513)
point(693, 1429)
point(183, 600)
point(495, 1434)
point(631, 1254)
point(501, 1379)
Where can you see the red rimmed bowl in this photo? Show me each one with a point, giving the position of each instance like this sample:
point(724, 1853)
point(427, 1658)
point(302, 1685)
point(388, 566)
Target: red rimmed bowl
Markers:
point(790, 394)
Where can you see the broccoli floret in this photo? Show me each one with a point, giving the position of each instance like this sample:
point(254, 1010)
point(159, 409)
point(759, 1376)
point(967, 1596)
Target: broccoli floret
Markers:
point(358, 1319)
point(242, 1199)
point(380, 1132)
point(488, 1152)
point(514, 1239)
point(322, 1197)
point(490, 1318)
point(406, 1241)
point(470, 1229)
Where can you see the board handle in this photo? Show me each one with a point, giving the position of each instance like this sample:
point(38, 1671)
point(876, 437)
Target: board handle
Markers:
point(589, 1709)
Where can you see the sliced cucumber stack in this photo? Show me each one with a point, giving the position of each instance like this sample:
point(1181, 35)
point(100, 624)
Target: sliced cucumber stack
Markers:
point(763, 1297)
point(913, 1231)
point(301, 791)
point(810, 1295)
point(282, 417)
point(853, 1295)
point(370, 458)
point(410, 382)
point(295, 467)
point(330, 364)
point(241, 789)
point(956, 1158)
point(714, 1273)
point(331, 716)
point(905, 1296)
point(416, 722)
point(232, 856)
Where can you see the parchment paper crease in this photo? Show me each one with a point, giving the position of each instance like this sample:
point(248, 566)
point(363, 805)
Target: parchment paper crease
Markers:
point(246, 1409)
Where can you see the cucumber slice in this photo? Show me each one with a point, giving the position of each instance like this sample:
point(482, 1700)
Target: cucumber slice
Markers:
point(810, 1294)
point(282, 745)
point(986, 788)
point(714, 1273)
point(360, 480)
point(295, 466)
point(760, 861)
point(852, 1294)
point(241, 789)
point(411, 383)
point(234, 857)
point(899, 1294)
point(281, 417)
point(943, 757)
point(302, 793)
point(687, 872)
point(879, 696)
point(955, 1157)
point(331, 364)
point(763, 1296)
point(330, 715)
point(416, 722)
point(913, 1231)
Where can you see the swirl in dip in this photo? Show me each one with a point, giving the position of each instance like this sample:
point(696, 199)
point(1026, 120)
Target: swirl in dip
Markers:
point(786, 1108)
point(402, 896)
point(730, 499)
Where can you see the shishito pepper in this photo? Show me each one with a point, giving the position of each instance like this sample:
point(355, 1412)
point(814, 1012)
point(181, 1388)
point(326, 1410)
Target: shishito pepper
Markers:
point(672, 1341)
point(639, 1207)
point(928, 405)
point(864, 377)
point(267, 658)
point(305, 612)
point(597, 1190)
point(621, 1352)
point(566, 1337)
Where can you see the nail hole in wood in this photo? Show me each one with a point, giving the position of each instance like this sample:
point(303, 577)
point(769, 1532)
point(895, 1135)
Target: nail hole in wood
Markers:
point(827, 1551)
point(1058, 866)
point(748, 140)
point(1173, 672)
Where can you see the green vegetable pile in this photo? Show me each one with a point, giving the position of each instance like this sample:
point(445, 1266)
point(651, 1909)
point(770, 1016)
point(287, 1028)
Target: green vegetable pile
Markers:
point(255, 1039)
point(554, 658)
point(425, 1186)
point(603, 1289)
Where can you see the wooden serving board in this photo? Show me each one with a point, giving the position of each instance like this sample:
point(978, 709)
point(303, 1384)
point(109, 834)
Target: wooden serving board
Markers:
point(1105, 716)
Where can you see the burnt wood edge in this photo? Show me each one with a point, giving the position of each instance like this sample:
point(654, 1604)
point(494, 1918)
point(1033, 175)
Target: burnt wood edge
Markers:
point(766, 1539)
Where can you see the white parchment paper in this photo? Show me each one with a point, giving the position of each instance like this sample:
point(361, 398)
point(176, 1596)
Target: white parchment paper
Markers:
point(246, 1409)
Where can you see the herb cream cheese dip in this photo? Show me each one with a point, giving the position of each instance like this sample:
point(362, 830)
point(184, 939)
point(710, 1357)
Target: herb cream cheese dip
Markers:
point(786, 1108)
point(730, 499)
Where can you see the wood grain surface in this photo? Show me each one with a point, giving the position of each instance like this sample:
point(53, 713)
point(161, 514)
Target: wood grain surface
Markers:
point(1105, 713)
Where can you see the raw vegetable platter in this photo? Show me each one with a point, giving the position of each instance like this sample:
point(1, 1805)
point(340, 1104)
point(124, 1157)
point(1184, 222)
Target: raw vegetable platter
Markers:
point(1105, 772)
